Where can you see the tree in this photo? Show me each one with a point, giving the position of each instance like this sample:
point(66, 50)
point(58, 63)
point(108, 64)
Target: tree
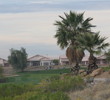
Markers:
point(68, 29)
point(18, 59)
point(107, 54)
point(93, 43)
point(1, 72)
point(56, 61)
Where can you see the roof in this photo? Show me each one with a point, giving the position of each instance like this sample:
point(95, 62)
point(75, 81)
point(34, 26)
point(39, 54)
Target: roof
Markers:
point(63, 58)
point(38, 58)
point(3, 60)
point(98, 57)
point(85, 58)
point(101, 57)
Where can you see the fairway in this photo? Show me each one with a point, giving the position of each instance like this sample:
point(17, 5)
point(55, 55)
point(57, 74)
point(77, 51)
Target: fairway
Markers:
point(36, 76)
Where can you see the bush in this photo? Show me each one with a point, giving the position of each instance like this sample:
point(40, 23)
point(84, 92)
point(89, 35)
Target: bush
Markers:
point(50, 96)
point(53, 88)
point(12, 90)
point(69, 83)
point(2, 79)
point(106, 68)
point(28, 92)
point(1, 72)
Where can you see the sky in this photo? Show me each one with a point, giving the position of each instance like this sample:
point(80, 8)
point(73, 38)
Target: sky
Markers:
point(30, 23)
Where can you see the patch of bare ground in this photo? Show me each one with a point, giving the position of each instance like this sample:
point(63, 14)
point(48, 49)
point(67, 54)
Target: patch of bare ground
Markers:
point(99, 91)
point(104, 75)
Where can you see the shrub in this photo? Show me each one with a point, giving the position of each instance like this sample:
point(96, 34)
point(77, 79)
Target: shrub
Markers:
point(53, 88)
point(50, 96)
point(12, 90)
point(1, 71)
point(2, 78)
point(66, 84)
point(106, 68)
point(24, 92)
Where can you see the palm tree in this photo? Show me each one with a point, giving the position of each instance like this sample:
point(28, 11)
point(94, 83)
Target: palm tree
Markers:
point(93, 43)
point(107, 55)
point(68, 29)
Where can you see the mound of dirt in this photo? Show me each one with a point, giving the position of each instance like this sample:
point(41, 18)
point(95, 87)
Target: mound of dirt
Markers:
point(97, 72)
point(100, 73)
point(104, 75)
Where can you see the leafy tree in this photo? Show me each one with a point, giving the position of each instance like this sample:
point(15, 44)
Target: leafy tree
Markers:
point(18, 59)
point(70, 27)
point(56, 61)
point(93, 43)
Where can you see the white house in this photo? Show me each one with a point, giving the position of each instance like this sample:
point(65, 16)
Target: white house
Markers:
point(85, 60)
point(101, 60)
point(3, 62)
point(63, 60)
point(39, 60)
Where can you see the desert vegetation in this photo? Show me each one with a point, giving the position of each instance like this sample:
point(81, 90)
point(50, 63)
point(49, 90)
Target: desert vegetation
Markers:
point(52, 88)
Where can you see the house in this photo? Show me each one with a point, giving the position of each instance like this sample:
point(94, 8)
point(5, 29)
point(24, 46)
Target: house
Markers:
point(85, 61)
point(3, 62)
point(63, 60)
point(101, 60)
point(39, 60)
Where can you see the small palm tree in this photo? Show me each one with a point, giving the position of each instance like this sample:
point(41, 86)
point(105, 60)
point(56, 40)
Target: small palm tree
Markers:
point(93, 43)
point(68, 29)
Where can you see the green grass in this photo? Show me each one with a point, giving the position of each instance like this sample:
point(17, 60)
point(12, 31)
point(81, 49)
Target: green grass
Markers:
point(106, 68)
point(51, 85)
point(35, 77)
point(53, 88)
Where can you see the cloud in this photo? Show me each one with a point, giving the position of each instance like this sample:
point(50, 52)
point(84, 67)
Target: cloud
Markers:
point(35, 30)
point(38, 27)
point(28, 27)
point(15, 6)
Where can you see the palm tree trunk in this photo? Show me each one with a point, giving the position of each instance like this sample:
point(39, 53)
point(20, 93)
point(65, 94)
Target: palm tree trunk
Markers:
point(75, 68)
point(92, 63)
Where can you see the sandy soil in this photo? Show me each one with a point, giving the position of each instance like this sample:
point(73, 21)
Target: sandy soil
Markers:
point(104, 75)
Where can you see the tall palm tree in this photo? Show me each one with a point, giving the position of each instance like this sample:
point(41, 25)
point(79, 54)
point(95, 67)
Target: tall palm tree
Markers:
point(93, 43)
point(68, 29)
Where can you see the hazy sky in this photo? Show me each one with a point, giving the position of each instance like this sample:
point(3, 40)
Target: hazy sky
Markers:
point(29, 23)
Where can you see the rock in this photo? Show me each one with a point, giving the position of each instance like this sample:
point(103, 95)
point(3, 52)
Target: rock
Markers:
point(97, 72)
point(83, 74)
point(81, 71)
point(104, 75)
